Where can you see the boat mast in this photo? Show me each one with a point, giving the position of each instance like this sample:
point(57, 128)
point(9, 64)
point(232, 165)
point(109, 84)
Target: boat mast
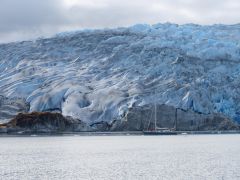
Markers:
point(175, 123)
point(155, 117)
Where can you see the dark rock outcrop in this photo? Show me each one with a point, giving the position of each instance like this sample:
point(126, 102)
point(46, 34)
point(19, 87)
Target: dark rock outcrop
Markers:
point(194, 121)
point(43, 122)
point(143, 118)
point(136, 119)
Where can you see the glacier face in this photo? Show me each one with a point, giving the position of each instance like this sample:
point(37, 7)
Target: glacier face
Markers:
point(96, 75)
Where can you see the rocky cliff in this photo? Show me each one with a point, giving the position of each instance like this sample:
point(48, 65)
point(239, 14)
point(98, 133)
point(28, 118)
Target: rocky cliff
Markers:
point(43, 122)
point(144, 117)
point(136, 119)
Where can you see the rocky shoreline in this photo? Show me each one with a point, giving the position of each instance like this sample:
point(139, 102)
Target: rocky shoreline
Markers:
point(134, 120)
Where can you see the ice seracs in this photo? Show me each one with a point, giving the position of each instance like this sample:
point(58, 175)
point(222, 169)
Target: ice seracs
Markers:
point(97, 75)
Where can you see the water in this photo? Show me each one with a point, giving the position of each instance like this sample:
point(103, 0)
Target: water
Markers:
point(121, 157)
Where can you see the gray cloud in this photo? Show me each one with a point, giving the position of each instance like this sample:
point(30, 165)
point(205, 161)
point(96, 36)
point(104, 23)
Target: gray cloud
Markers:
point(26, 19)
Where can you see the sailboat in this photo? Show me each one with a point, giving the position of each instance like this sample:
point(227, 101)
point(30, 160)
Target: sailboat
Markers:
point(159, 131)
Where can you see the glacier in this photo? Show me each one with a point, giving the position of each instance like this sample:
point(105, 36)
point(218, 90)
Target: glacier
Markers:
point(97, 75)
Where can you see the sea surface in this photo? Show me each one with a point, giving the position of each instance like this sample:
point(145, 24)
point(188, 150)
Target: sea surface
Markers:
point(179, 157)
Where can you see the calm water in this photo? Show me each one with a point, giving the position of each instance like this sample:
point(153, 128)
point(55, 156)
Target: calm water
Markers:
point(121, 157)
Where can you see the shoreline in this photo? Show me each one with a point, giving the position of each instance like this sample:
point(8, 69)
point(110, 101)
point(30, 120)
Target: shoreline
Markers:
point(117, 133)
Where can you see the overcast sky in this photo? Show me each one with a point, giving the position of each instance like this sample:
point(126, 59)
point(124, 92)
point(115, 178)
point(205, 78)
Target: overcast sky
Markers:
point(27, 19)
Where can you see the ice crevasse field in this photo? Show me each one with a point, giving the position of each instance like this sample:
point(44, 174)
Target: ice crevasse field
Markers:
point(96, 75)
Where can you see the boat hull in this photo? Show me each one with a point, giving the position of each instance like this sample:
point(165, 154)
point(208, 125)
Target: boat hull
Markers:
point(159, 133)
